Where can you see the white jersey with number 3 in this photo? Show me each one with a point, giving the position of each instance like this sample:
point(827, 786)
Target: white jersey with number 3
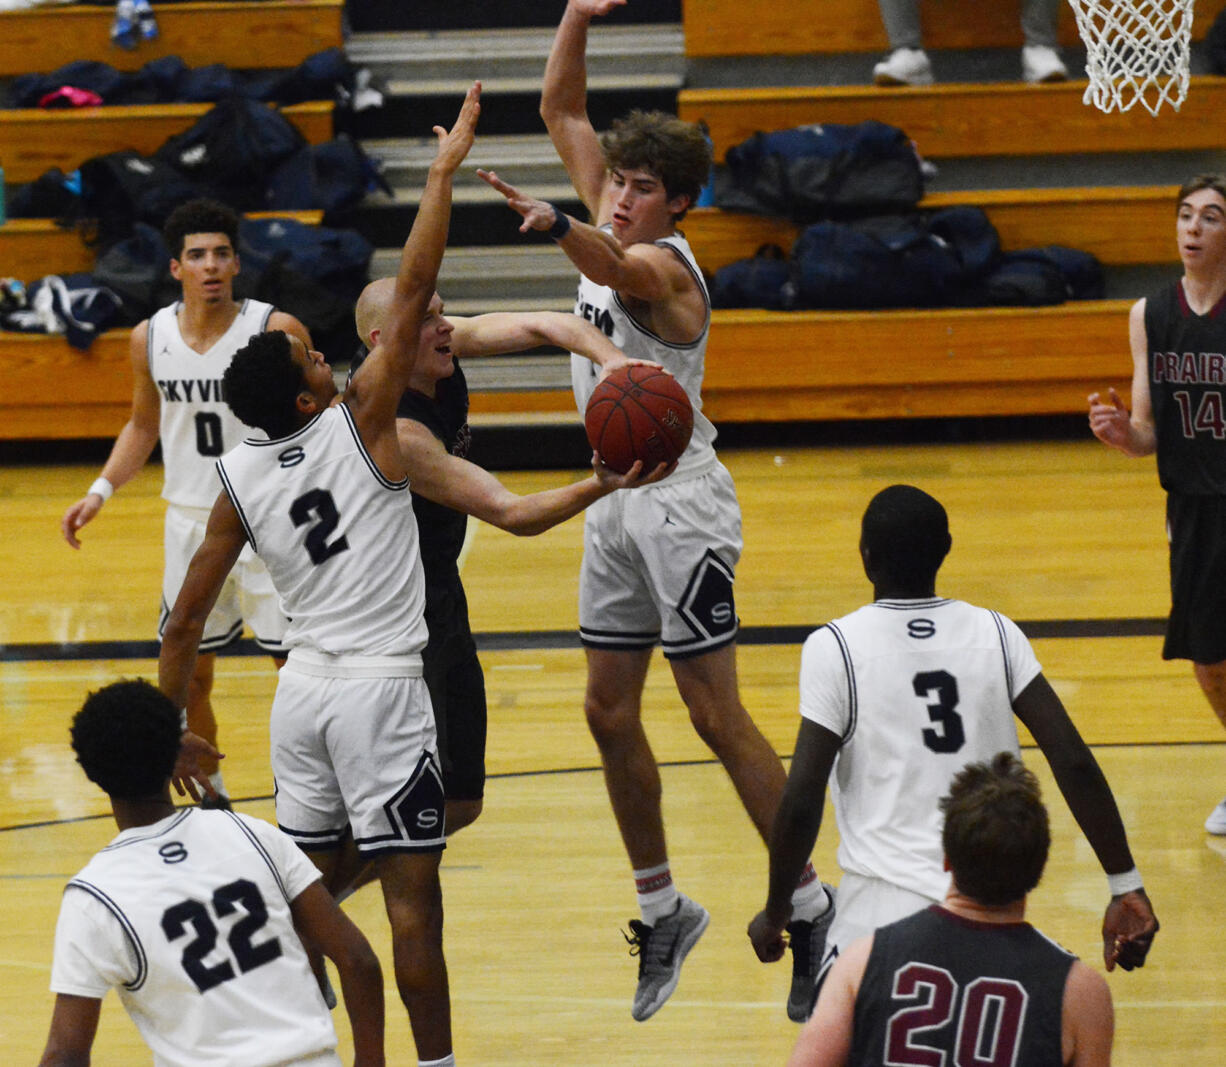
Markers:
point(189, 919)
point(339, 539)
point(916, 689)
point(196, 424)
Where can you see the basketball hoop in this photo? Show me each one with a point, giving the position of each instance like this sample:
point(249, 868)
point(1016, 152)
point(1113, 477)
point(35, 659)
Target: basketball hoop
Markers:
point(1137, 51)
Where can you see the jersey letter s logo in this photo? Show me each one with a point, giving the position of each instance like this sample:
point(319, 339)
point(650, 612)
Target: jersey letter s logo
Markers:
point(921, 628)
point(291, 457)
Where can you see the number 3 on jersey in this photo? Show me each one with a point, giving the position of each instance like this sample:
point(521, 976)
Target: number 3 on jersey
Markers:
point(947, 734)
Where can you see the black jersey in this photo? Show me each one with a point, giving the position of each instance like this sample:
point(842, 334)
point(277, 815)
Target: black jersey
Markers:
point(1187, 385)
point(442, 529)
point(939, 988)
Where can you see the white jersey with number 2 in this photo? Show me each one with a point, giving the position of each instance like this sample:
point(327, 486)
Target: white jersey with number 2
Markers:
point(916, 689)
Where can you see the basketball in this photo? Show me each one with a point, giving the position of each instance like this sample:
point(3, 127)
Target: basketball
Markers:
point(638, 412)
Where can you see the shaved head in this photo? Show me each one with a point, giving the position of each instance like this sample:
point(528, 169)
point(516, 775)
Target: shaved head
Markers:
point(372, 308)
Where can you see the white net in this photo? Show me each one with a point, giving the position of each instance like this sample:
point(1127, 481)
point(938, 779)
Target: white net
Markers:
point(1137, 51)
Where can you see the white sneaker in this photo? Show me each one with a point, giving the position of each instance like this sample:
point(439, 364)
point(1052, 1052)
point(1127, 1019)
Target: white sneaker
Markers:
point(904, 66)
point(1042, 64)
point(1216, 823)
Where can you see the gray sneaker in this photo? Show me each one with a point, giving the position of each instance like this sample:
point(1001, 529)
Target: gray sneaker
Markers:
point(661, 949)
point(808, 943)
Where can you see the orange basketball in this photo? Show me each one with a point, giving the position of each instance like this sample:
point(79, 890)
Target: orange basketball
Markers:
point(638, 412)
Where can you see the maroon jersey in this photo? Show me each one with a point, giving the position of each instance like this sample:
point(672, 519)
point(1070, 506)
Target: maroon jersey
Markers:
point(1187, 386)
point(941, 990)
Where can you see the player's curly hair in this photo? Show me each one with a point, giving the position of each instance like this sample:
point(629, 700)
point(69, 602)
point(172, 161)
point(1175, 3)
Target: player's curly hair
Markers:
point(126, 737)
point(675, 151)
point(906, 533)
point(996, 834)
point(262, 382)
point(199, 216)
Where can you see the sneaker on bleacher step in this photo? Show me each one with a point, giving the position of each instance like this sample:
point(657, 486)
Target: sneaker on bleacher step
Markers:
point(904, 66)
point(1216, 823)
point(124, 30)
point(1042, 64)
point(146, 21)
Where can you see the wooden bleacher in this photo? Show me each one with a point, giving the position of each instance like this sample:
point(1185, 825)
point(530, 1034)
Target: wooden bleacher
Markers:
point(963, 120)
point(1088, 219)
point(764, 365)
point(54, 390)
point(280, 33)
point(736, 28)
point(32, 140)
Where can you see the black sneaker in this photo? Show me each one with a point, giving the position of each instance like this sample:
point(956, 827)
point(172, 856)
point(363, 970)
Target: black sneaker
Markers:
point(221, 802)
point(807, 941)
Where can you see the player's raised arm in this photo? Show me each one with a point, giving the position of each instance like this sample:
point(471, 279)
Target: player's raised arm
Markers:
point(564, 102)
point(373, 395)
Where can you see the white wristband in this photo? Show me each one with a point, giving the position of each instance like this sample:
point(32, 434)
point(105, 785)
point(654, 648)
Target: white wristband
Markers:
point(183, 720)
point(103, 488)
point(1127, 882)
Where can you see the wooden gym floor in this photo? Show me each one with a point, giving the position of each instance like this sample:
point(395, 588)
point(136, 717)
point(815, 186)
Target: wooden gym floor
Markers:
point(1065, 537)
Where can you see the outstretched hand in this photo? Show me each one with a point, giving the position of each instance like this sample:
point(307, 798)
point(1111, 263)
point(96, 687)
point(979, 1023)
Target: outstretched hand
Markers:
point(453, 144)
point(1129, 926)
point(537, 214)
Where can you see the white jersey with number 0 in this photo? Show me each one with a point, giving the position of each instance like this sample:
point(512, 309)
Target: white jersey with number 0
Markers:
point(601, 306)
point(189, 919)
point(338, 538)
point(916, 689)
point(197, 425)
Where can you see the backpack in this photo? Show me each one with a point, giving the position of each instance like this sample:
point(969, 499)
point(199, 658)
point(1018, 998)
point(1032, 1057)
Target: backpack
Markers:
point(137, 270)
point(334, 258)
point(761, 281)
point(879, 262)
point(1019, 280)
point(232, 150)
point(815, 172)
point(330, 177)
point(120, 189)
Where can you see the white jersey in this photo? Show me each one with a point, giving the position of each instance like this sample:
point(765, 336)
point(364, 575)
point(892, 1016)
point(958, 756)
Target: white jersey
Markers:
point(338, 538)
point(189, 919)
point(600, 305)
point(916, 689)
point(197, 425)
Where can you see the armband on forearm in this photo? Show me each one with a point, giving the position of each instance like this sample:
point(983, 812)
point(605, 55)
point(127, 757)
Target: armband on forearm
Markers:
point(1126, 882)
point(103, 487)
point(561, 224)
point(183, 720)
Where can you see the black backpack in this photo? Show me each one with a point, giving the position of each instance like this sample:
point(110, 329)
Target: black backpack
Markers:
point(233, 149)
point(885, 261)
point(822, 171)
point(761, 281)
point(331, 177)
point(337, 259)
point(120, 189)
point(137, 269)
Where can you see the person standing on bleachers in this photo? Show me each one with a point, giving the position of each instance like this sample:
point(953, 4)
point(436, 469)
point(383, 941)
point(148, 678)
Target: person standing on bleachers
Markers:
point(908, 63)
point(178, 357)
point(1179, 413)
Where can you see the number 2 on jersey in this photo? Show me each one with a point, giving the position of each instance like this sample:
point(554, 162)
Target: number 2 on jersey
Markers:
point(318, 504)
point(949, 736)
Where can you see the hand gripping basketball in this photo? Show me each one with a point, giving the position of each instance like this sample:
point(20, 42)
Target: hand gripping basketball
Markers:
point(638, 412)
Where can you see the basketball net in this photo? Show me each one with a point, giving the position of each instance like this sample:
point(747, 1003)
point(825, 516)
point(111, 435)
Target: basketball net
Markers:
point(1137, 51)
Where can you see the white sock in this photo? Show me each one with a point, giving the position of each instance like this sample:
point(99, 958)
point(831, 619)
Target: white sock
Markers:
point(810, 899)
point(446, 1061)
point(657, 895)
point(217, 783)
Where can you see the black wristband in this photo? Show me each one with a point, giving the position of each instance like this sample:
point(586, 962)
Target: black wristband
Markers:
point(561, 224)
